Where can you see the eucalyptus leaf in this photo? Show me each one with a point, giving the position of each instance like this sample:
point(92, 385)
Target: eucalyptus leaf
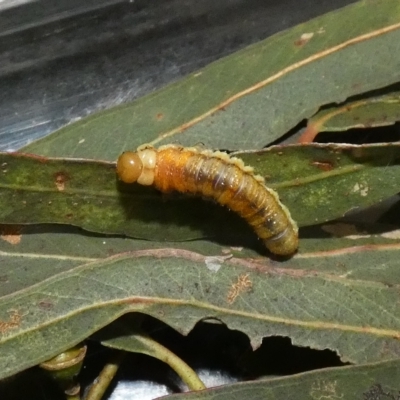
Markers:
point(251, 98)
point(369, 382)
point(317, 183)
point(358, 318)
point(368, 112)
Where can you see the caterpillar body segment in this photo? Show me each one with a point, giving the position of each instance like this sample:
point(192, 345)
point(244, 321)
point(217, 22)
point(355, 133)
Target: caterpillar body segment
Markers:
point(220, 177)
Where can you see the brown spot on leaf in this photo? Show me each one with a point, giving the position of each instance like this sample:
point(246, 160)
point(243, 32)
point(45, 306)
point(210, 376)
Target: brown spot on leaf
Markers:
point(159, 116)
point(10, 234)
point(323, 165)
point(358, 153)
point(13, 321)
point(304, 38)
point(46, 305)
point(33, 156)
point(110, 252)
point(60, 179)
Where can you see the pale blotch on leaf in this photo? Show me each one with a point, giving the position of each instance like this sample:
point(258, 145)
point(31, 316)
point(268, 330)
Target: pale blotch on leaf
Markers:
point(214, 263)
point(304, 38)
point(395, 234)
point(11, 234)
point(322, 389)
point(347, 231)
point(360, 188)
point(237, 248)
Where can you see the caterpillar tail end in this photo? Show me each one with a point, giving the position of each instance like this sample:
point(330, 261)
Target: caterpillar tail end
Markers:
point(285, 244)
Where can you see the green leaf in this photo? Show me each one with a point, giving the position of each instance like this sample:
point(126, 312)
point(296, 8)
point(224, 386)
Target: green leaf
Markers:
point(317, 183)
point(322, 299)
point(322, 182)
point(367, 112)
point(370, 382)
point(254, 96)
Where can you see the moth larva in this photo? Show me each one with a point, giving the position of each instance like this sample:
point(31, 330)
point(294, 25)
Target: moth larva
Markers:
point(216, 175)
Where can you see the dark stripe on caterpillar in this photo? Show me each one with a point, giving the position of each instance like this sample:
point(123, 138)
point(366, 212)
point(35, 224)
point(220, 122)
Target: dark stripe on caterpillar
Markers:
point(215, 175)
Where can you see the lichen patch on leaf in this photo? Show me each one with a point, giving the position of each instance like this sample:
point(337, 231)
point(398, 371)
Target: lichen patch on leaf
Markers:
point(243, 284)
point(13, 321)
point(322, 389)
point(361, 188)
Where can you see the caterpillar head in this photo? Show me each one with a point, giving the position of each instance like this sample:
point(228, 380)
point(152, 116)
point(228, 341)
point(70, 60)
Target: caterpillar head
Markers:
point(137, 166)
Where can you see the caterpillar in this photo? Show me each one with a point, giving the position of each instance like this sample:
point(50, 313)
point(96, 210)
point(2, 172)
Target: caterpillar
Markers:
point(218, 176)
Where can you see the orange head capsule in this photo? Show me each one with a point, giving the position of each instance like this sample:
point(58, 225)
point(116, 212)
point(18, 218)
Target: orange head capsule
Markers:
point(129, 167)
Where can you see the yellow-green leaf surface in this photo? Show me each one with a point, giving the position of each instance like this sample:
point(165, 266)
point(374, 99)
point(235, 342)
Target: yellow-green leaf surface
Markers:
point(378, 381)
point(254, 96)
point(319, 299)
point(317, 183)
point(368, 112)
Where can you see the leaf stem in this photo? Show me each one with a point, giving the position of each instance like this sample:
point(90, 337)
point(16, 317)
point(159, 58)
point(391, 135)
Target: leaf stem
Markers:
point(105, 377)
point(185, 372)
